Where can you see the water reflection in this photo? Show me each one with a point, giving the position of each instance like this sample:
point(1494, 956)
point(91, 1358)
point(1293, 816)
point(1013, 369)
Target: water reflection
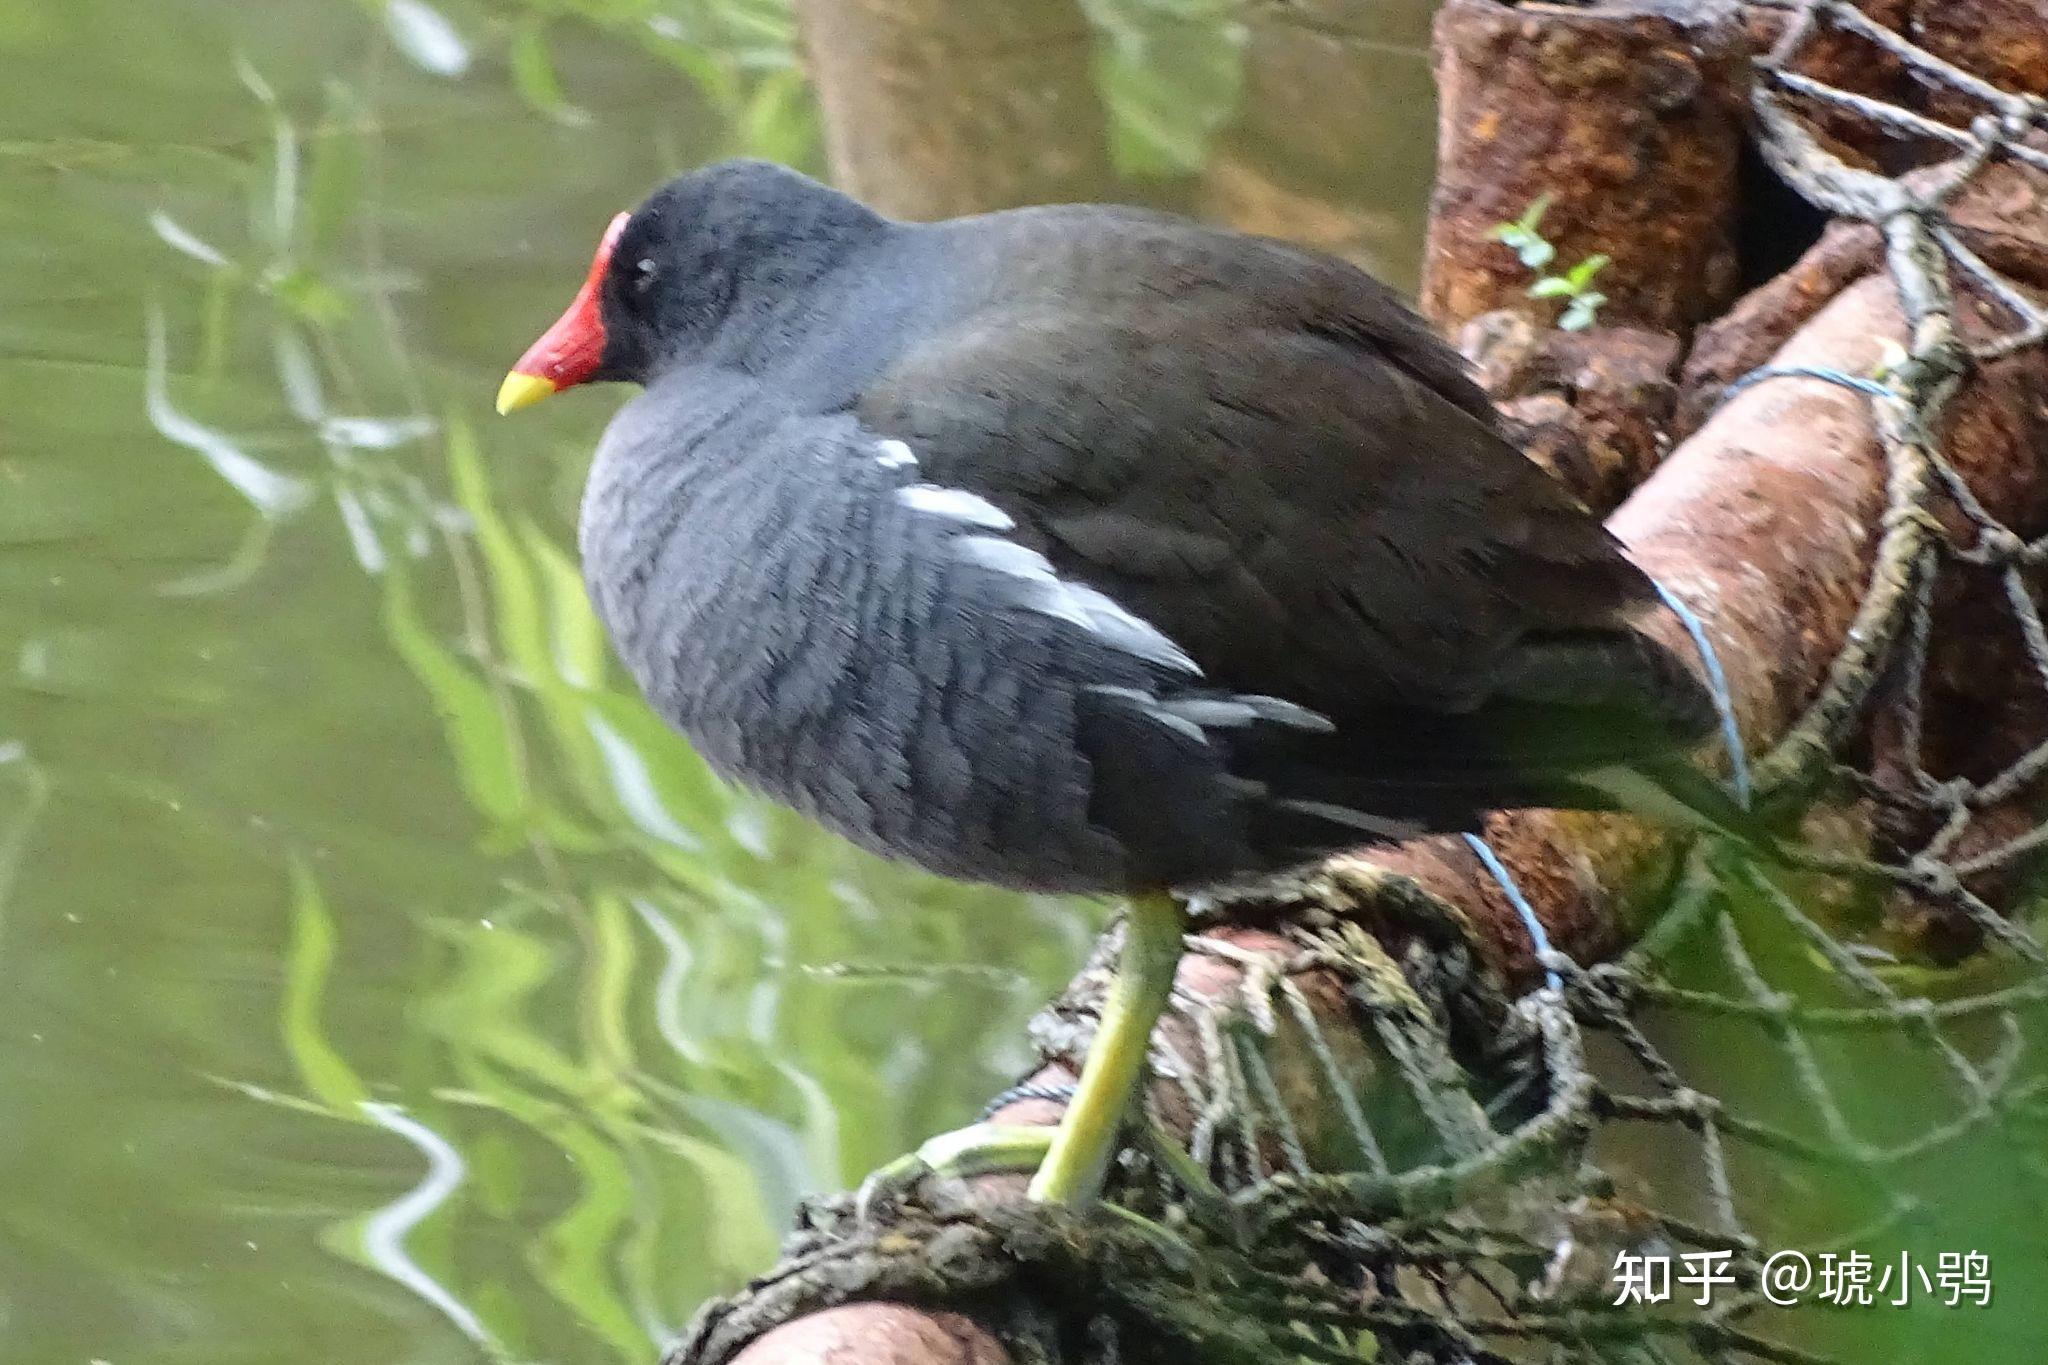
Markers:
point(24, 788)
point(339, 825)
point(385, 1231)
point(422, 33)
point(272, 494)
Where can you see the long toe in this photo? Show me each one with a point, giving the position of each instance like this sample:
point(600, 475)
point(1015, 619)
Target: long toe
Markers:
point(977, 1150)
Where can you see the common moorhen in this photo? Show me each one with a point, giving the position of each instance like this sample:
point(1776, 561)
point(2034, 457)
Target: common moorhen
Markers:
point(1088, 549)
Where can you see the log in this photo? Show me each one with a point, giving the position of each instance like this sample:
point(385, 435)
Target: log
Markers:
point(1629, 116)
point(879, 1334)
point(1847, 61)
point(2004, 41)
point(935, 108)
point(1594, 408)
point(1626, 118)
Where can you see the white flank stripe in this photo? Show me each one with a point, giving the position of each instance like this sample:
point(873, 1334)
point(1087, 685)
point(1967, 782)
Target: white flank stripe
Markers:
point(957, 503)
point(1075, 602)
point(894, 455)
point(1243, 708)
point(1132, 634)
point(1149, 704)
point(1282, 712)
point(1004, 556)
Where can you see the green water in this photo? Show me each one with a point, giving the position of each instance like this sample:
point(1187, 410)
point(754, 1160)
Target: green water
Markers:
point(379, 981)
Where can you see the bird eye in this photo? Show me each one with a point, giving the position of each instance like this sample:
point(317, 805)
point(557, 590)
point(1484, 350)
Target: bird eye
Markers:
point(644, 273)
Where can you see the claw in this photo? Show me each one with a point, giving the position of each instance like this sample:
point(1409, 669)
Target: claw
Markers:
point(886, 1185)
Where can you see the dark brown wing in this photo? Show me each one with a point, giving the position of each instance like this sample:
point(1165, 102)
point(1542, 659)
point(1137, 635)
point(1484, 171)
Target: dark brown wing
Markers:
point(1307, 500)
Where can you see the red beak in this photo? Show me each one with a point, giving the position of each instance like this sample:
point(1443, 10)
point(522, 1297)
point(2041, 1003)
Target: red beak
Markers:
point(570, 351)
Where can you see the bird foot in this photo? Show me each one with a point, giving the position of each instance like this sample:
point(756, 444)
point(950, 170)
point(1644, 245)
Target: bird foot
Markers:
point(982, 1149)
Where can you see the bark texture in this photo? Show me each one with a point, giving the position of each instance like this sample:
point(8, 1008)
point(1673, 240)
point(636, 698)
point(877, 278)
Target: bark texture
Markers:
point(935, 108)
point(2004, 41)
point(1633, 114)
point(1851, 62)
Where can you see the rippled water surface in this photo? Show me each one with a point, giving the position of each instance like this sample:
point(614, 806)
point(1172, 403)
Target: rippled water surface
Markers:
point(379, 981)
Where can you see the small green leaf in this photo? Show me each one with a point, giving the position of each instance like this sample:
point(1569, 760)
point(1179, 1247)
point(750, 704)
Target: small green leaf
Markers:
point(1552, 287)
point(1582, 274)
point(1524, 236)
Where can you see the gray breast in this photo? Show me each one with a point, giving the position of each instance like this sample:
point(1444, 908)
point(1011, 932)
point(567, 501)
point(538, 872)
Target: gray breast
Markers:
point(886, 655)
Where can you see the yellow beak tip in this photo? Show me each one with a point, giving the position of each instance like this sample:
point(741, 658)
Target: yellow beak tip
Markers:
point(522, 391)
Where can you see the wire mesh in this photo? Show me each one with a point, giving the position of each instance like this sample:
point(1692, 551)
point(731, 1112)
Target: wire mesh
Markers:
point(1466, 1210)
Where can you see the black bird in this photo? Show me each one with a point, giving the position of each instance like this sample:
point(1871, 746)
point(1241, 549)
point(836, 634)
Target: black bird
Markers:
point(1089, 549)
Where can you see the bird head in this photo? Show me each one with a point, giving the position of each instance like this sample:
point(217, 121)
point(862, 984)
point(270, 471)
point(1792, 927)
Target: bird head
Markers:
point(717, 254)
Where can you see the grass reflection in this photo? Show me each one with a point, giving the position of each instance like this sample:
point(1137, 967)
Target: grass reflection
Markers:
point(705, 1079)
point(385, 1231)
point(633, 1048)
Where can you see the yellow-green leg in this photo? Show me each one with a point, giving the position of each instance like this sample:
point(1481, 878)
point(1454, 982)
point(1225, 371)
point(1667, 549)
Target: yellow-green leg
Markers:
point(1070, 1160)
point(1073, 1168)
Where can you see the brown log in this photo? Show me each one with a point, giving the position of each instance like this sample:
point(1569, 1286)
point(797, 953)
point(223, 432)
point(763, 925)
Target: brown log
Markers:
point(1628, 115)
point(1744, 338)
point(2004, 41)
point(1847, 61)
point(1764, 521)
point(1591, 407)
point(879, 1334)
point(935, 108)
